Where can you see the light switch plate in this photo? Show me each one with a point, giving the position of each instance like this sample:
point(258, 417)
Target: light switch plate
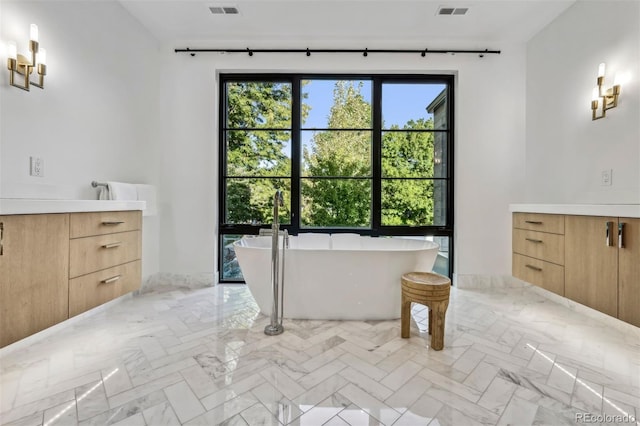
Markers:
point(36, 166)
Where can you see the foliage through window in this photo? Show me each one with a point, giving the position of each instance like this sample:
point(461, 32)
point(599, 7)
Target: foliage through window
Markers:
point(367, 154)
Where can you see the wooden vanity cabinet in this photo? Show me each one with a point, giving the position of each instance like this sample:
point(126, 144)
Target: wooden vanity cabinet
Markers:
point(55, 266)
point(34, 274)
point(593, 260)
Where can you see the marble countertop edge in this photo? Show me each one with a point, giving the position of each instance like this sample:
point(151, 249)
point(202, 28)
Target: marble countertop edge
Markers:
point(39, 206)
point(617, 210)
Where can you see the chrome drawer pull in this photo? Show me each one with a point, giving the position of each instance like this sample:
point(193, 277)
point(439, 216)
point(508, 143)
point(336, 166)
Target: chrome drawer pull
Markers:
point(112, 222)
point(110, 280)
point(112, 245)
point(535, 268)
point(620, 236)
point(609, 230)
point(533, 241)
point(533, 222)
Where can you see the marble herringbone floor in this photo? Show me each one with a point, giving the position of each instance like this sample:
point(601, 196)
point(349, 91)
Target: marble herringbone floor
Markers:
point(199, 357)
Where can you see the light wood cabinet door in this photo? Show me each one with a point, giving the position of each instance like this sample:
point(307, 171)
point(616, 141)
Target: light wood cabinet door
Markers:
point(34, 274)
point(629, 272)
point(591, 266)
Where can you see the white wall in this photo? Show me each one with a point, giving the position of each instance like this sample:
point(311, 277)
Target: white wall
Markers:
point(189, 166)
point(489, 150)
point(565, 150)
point(101, 107)
point(97, 117)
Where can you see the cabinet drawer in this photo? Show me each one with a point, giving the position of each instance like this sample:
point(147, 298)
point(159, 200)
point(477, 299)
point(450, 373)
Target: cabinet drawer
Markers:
point(92, 254)
point(541, 245)
point(100, 223)
point(91, 290)
point(553, 223)
point(537, 272)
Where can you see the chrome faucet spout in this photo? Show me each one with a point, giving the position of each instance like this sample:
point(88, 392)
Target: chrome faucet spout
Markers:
point(278, 201)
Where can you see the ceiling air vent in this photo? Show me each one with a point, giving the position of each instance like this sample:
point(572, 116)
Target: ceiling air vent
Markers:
point(452, 10)
point(224, 10)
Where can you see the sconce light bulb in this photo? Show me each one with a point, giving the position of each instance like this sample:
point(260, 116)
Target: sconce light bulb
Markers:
point(13, 50)
point(42, 56)
point(34, 32)
point(617, 79)
point(595, 94)
point(601, 69)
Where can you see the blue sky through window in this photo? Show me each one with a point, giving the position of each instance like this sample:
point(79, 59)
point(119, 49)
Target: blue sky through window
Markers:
point(401, 102)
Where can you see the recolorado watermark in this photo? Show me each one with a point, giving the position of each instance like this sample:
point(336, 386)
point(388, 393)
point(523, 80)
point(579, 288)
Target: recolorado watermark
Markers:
point(604, 418)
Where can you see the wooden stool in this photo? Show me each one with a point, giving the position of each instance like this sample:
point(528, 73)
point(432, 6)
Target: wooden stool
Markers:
point(431, 290)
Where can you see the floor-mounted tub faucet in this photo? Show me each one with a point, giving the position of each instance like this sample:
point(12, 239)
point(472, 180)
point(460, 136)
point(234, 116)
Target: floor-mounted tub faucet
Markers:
point(277, 282)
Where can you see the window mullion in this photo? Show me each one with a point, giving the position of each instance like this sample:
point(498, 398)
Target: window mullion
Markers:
point(376, 152)
point(296, 150)
point(222, 171)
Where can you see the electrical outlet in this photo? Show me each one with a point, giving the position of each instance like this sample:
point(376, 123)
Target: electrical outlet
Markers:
point(36, 166)
point(606, 177)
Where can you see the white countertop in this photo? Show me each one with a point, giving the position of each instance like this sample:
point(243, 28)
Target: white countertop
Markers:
point(32, 206)
point(617, 210)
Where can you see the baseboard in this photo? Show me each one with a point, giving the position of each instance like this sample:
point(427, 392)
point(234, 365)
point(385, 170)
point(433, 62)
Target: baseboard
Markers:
point(164, 280)
point(476, 281)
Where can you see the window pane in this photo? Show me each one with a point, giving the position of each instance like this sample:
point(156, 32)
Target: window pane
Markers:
point(336, 153)
point(414, 154)
point(414, 106)
point(442, 260)
point(250, 201)
point(258, 104)
point(258, 153)
point(230, 267)
point(336, 203)
point(336, 104)
point(414, 202)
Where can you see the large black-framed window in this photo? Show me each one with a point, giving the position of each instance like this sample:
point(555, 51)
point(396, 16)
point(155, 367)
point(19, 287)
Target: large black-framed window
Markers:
point(370, 154)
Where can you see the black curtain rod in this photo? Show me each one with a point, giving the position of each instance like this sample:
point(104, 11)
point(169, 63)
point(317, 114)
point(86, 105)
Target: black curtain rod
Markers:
point(364, 51)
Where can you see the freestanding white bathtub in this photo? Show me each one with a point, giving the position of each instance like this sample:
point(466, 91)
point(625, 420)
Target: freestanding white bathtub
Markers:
point(337, 277)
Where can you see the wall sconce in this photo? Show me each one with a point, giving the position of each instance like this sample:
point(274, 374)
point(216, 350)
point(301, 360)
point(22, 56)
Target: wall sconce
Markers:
point(20, 64)
point(608, 97)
